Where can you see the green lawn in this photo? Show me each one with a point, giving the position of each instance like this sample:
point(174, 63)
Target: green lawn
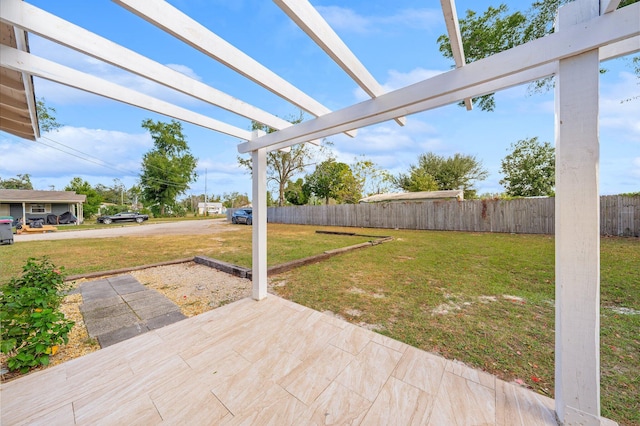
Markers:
point(485, 299)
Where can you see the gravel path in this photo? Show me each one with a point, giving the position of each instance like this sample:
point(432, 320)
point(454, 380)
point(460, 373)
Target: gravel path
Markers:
point(194, 288)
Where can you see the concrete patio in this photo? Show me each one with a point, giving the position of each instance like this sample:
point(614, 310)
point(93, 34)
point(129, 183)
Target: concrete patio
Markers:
point(267, 362)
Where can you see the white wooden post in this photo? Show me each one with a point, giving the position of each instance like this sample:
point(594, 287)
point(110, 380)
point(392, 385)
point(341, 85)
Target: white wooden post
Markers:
point(577, 354)
point(259, 242)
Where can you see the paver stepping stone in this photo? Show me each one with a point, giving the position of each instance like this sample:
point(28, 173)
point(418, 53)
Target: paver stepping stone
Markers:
point(123, 333)
point(99, 326)
point(118, 308)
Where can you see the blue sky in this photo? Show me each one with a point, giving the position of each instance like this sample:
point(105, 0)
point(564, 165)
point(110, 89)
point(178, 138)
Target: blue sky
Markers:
point(396, 41)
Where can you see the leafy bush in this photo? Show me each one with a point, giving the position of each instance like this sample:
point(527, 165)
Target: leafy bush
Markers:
point(32, 325)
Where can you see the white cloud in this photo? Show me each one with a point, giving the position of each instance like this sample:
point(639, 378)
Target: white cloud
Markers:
point(620, 106)
point(341, 18)
point(345, 19)
point(415, 18)
point(183, 69)
point(390, 146)
point(76, 151)
point(209, 166)
point(397, 79)
point(216, 176)
point(89, 65)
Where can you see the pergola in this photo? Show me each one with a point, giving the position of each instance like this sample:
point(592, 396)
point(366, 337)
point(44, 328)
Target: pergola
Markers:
point(18, 104)
point(587, 32)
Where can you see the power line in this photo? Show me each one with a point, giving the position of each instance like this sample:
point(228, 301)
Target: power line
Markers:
point(99, 161)
point(102, 162)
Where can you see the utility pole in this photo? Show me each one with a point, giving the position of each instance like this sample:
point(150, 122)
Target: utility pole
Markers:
point(206, 207)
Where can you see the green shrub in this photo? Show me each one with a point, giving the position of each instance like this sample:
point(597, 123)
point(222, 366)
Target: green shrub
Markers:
point(32, 325)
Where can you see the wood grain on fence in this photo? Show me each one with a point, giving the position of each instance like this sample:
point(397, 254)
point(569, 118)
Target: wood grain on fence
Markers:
point(619, 215)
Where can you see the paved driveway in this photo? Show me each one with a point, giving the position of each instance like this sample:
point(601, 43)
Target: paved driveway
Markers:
point(187, 227)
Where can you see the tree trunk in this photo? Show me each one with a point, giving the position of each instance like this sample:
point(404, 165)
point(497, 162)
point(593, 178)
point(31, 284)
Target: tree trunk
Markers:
point(280, 193)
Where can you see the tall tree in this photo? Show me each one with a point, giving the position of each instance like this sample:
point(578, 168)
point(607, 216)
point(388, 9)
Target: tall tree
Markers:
point(498, 29)
point(417, 180)
point(283, 166)
point(169, 168)
point(529, 170)
point(457, 172)
point(92, 204)
point(234, 199)
point(371, 178)
point(295, 194)
point(22, 181)
point(116, 193)
point(334, 180)
point(135, 194)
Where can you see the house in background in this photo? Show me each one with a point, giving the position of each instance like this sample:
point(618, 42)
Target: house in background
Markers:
point(210, 208)
point(29, 204)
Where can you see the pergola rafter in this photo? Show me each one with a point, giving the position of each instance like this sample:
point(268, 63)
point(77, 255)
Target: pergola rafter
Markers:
point(455, 39)
point(34, 65)
point(47, 25)
point(313, 24)
point(503, 69)
point(184, 28)
point(608, 6)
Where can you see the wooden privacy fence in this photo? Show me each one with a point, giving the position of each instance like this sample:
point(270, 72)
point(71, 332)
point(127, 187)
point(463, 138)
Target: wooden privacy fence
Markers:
point(619, 215)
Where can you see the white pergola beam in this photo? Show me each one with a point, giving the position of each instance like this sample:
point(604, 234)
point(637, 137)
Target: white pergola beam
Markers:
point(611, 51)
point(259, 218)
point(608, 6)
point(601, 31)
point(621, 48)
point(173, 21)
point(47, 25)
point(437, 101)
point(314, 25)
point(455, 38)
point(34, 65)
point(577, 234)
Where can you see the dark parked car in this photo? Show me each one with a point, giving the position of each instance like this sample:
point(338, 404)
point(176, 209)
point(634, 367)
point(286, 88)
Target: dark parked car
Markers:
point(123, 217)
point(242, 216)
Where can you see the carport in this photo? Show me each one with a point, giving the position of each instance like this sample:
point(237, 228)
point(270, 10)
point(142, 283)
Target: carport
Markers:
point(587, 33)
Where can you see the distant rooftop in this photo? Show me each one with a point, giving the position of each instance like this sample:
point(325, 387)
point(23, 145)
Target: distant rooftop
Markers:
point(34, 196)
point(415, 196)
